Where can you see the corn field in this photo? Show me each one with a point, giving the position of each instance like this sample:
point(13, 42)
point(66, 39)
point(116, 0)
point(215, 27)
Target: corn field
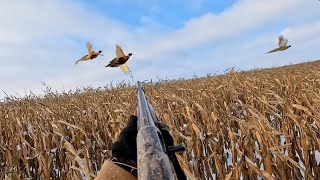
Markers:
point(241, 125)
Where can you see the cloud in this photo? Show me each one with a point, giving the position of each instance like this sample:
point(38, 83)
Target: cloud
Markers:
point(40, 41)
point(239, 20)
point(242, 17)
point(300, 34)
point(247, 54)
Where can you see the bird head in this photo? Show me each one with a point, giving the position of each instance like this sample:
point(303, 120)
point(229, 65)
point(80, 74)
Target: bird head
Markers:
point(100, 53)
point(129, 54)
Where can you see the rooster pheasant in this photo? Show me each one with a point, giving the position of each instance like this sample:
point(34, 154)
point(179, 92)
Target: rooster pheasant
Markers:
point(282, 45)
point(91, 54)
point(120, 60)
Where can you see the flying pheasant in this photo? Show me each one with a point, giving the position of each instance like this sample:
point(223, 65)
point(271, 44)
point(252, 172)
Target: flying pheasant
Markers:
point(91, 54)
point(120, 60)
point(282, 45)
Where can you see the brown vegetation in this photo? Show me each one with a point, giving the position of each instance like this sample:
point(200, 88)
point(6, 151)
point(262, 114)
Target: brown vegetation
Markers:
point(259, 123)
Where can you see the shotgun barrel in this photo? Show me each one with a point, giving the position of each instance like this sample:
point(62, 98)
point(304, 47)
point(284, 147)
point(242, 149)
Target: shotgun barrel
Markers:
point(153, 162)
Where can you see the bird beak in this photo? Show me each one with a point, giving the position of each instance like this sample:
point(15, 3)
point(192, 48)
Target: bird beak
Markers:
point(101, 55)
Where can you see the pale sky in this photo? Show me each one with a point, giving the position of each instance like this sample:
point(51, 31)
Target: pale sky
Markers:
point(41, 40)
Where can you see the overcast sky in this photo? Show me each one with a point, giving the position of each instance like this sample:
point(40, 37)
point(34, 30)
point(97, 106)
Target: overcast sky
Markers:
point(41, 40)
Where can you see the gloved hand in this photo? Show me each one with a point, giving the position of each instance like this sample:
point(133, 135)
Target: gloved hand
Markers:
point(124, 150)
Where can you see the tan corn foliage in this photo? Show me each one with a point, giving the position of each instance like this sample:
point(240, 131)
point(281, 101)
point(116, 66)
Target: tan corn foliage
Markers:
point(250, 125)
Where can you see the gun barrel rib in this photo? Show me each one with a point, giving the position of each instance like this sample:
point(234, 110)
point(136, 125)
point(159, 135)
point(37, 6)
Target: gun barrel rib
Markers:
point(153, 163)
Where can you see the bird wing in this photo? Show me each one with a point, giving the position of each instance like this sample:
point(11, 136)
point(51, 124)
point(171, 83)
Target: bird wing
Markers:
point(274, 50)
point(113, 63)
point(124, 68)
point(283, 43)
point(89, 47)
point(119, 51)
point(280, 39)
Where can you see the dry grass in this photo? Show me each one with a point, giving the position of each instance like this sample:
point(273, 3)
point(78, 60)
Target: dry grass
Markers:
point(262, 123)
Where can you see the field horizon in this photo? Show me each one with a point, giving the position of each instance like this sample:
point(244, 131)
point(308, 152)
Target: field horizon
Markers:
point(129, 83)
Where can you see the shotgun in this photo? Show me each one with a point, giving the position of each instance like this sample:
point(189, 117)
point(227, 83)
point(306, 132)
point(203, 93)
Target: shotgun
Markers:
point(154, 157)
